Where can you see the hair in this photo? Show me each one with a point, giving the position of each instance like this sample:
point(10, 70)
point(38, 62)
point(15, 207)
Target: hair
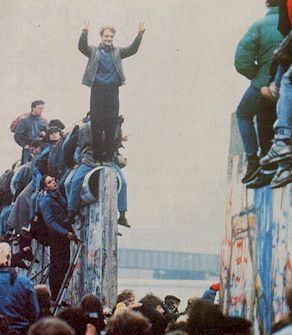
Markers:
point(158, 322)
point(50, 326)
point(110, 28)
point(205, 318)
point(151, 300)
point(128, 323)
point(181, 325)
point(172, 299)
point(44, 296)
point(125, 295)
point(90, 303)
point(272, 3)
point(76, 318)
point(36, 103)
point(5, 254)
point(43, 182)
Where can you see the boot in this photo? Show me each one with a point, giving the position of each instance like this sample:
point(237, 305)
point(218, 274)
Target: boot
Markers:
point(123, 220)
point(253, 168)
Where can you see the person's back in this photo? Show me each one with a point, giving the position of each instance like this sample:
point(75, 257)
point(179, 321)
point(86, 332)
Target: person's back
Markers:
point(17, 295)
point(254, 52)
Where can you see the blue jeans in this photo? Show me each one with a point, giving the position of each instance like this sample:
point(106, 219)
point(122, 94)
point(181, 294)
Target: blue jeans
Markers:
point(122, 196)
point(254, 105)
point(76, 186)
point(25, 157)
point(68, 182)
point(283, 125)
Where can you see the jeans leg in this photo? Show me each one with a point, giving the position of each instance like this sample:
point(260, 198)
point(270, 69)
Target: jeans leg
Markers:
point(122, 196)
point(76, 186)
point(68, 182)
point(25, 156)
point(245, 113)
point(283, 125)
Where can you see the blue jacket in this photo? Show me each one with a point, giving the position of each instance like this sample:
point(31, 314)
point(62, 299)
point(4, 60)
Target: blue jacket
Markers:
point(53, 207)
point(29, 129)
point(18, 302)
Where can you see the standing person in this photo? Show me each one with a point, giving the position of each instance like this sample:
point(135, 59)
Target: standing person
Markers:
point(18, 300)
point(104, 74)
point(253, 59)
point(30, 128)
point(53, 209)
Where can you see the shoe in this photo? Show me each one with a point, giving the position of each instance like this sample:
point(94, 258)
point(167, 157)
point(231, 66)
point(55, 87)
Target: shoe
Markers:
point(280, 151)
point(123, 222)
point(252, 169)
point(282, 178)
point(70, 219)
point(261, 180)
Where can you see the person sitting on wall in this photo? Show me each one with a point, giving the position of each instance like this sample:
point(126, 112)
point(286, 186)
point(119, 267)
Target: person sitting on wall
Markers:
point(30, 128)
point(253, 59)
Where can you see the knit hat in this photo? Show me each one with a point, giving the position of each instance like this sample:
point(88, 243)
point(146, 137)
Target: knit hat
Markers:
point(57, 123)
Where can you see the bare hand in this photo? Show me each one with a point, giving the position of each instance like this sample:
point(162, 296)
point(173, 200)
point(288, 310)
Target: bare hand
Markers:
point(90, 329)
point(86, 25)
point(72, 237)
point(125, 138)
point(141, 27)
point(26, 146)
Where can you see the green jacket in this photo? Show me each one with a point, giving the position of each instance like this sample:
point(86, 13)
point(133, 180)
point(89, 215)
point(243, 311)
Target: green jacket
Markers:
point(254, 52)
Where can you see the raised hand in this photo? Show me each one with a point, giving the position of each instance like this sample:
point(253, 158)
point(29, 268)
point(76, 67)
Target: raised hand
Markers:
point(86, 25)
point(141, 27)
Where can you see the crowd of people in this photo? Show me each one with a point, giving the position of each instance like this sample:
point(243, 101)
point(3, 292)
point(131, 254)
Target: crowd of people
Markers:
point(40, 197)
point(264, 56)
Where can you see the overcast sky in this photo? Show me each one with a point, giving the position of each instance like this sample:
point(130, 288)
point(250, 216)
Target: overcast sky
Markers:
point(180, 91)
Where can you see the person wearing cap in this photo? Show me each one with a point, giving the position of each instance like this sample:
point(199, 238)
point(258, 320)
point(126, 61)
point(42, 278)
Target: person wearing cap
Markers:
point(170, 304)
point(104, 74)
point(53, 209)
point(30, 128)
point(18, 300)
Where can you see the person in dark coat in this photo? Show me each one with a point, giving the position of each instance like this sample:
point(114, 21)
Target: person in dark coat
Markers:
point(53, 209)
point(30, 128)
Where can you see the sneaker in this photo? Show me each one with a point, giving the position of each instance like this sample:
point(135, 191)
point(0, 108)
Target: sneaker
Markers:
point(253, 168)
point(261, 180)
point(123, 222)
point(280, 151)
point(282, 178)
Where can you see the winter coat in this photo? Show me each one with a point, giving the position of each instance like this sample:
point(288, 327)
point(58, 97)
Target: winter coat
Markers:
point(254, 52)
point(29, 129)
point(18, 300)
point(93, 54)
point(53, 207)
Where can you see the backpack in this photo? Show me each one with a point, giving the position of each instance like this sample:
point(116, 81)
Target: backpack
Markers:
point(69, 146)
point(19, 118)
point(5, 191)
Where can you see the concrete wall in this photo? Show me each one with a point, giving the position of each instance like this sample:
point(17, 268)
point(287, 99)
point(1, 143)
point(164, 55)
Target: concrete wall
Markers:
point(256, 249)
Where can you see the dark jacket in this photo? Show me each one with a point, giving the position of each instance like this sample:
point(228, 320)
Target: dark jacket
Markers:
point(29, 129)
point(18, 301)
point(93, 54)
point(254, 52)
point(53, 207)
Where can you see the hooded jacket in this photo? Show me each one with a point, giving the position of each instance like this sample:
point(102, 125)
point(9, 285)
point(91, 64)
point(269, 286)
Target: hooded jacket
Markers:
point(254, 52)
